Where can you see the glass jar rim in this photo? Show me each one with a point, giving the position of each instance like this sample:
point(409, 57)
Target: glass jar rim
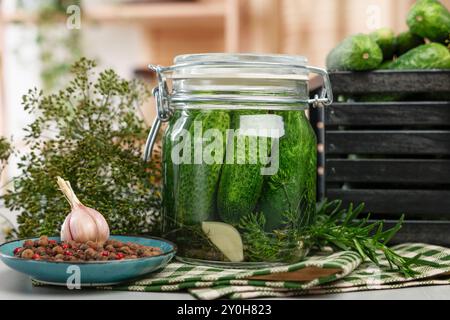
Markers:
point(186, 64)
point(240, 65)
point(294, 60)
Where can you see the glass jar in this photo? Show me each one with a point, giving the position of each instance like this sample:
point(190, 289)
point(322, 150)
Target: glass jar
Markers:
point(239, 156)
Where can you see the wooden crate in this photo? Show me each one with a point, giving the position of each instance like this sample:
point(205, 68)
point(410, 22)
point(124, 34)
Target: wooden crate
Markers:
point(393, 156)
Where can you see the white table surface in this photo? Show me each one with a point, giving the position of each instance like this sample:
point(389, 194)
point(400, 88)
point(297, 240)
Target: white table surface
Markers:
point(14, 285)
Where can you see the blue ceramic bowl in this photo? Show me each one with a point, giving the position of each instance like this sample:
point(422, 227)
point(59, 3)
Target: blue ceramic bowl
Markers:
point(91, 273)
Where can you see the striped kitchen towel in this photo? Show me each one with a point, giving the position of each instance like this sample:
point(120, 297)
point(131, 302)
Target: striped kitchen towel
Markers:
point(342, 271)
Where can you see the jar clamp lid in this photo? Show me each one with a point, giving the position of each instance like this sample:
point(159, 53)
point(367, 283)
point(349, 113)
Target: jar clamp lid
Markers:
point(231, 66)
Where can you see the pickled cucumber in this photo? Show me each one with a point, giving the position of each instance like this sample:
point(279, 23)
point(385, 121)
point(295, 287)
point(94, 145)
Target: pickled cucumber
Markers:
point(197, 182)
point(292, 188)
point(179, 121)
point(241, 179)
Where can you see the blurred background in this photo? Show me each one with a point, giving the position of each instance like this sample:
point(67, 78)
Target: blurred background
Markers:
point(39, 39)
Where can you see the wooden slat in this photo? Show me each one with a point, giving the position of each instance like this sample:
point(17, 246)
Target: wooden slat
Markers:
point(424, 142)
point(433, 232)
point(413, 203)
point(388, 171)
point(388, 113)
point(405, 81)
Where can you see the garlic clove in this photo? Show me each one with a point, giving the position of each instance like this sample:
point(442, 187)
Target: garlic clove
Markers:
point(65, 229)
point(102, 225)
point(83, 223)
point(82, 227)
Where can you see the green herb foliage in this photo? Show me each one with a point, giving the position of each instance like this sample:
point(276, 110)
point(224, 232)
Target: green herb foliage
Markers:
point(286, 244)
point(90, 134)
point(5, 151)
point(335, 226)
point(58, 45)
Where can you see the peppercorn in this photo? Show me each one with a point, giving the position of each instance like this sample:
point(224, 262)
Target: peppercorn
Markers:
point(120, 256)
point(149, 253)
point(117, 244)
point(90, 253)
point(73, 245)
point(72, 251)
point(28, 244)
point(92, 244)
point(40, 250)
point(133, 246)
point(80, 256)
point(112, 256)
point(43, 241)
point(27, 254)
point(125, 249)
point(58, 249)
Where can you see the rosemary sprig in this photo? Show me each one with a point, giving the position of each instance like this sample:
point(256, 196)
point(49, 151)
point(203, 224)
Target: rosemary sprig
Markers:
point(334, 225)
point(287, 244)
point(342, 228)
point(259, 245)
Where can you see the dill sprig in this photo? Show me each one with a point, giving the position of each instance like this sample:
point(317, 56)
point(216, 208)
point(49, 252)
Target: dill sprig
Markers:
point(91, 133)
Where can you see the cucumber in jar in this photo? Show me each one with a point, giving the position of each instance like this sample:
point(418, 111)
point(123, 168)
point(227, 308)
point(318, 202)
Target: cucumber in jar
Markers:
point(179, 121)
point(241, 179)
point(293, 186)
point(167, 172)
point(196, 187)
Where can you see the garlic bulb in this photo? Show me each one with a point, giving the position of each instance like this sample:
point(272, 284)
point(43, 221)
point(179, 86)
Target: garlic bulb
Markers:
point(83, 223)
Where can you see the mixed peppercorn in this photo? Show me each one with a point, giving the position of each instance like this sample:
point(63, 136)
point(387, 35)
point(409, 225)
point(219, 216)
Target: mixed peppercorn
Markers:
point(51, 250)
